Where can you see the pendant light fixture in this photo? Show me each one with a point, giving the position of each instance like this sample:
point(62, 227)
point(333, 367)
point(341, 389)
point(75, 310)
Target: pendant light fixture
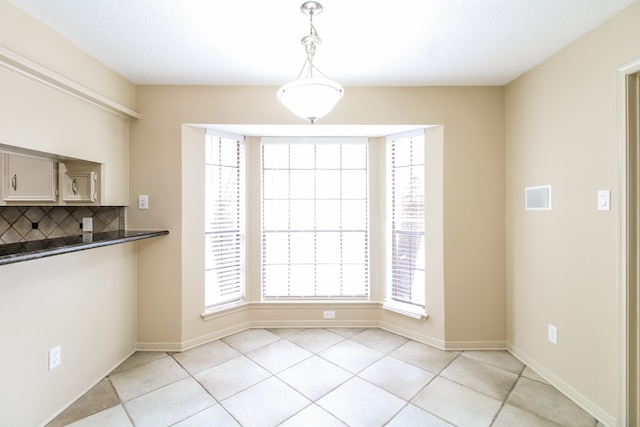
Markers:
point(310, 96)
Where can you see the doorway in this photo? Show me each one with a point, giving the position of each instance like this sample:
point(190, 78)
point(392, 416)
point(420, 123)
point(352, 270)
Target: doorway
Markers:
point(629, 249)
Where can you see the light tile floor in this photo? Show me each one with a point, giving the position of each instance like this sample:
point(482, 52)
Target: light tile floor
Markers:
point(322, 377)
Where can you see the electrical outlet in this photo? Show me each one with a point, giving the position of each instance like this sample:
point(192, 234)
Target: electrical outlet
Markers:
point(87, 225)
point(143, 201)
point(553, 334)
point(329, 314)
point(55, 357)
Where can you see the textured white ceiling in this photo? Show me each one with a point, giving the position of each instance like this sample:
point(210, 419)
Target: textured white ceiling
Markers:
point(379, 43)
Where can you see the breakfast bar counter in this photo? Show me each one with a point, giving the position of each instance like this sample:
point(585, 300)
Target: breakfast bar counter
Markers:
point(35, 249)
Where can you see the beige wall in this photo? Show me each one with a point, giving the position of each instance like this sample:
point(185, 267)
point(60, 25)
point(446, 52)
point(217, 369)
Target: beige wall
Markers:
point(35, 117)
point(21, 34)
point(85, 301)
point(469, 309)
point(561, 129)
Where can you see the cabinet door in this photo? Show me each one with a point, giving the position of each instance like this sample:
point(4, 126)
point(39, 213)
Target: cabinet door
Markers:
point(79, 187)
point(29, 179)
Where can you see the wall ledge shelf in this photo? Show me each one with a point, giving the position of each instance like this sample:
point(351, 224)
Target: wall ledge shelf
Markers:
point(19, 66)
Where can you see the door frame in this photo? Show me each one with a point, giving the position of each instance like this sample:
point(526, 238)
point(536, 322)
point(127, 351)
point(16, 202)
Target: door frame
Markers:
point(628, 87)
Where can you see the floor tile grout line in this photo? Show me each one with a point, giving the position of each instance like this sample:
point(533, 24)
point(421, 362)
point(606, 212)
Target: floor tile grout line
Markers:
point(217, 402)
point(504, 402)
point(124, 408)
point(479, 391)
point(151, 391)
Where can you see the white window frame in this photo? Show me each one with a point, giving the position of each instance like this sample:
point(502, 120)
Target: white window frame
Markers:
point(316, 293)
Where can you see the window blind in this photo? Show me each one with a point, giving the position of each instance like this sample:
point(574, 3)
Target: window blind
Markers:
point(315, 228)
point(224, 213)
point(406, 281)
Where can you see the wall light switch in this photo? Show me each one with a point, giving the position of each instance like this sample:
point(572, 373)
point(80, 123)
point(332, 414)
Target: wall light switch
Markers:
point(143, 201)
point(604, 200)
point(55, 357)
point(553, 334)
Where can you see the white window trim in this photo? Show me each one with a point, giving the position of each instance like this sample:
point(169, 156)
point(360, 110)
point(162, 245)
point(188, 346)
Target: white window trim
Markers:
point(406, 309)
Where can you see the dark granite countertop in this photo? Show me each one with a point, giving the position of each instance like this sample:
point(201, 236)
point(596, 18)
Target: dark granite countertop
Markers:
point(25, 251)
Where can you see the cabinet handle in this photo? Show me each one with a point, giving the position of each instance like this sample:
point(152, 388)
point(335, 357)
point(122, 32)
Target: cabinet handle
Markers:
point(74, 186)
point(14, 183)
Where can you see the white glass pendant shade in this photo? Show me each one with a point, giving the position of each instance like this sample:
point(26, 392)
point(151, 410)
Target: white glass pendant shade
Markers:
point(310, 98)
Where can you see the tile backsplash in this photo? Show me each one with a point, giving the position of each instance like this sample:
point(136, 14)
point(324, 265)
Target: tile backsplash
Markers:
point(26, 223)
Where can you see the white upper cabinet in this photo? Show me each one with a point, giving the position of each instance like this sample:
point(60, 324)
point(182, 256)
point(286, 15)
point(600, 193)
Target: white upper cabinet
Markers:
point(78, 186)
point(28, 179)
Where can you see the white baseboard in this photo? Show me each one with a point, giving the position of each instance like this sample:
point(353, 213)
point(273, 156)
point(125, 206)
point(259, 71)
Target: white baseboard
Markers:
point(475, 345)
point(219, 334)
point(413, 335)
point(159, 346)
point(578, 398)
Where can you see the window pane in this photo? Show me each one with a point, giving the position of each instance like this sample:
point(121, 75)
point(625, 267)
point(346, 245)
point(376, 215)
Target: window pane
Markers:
point(275, 156)
point(354, 156)
point(353, 278)
point(276, 215)
point(352, 245)
point(278, 280)
point(328, 156)
point(302, 248)
point(302, 184)
point(355, 215)
point(328, 184)
point(354, 184)
point(275, 184)
point(328, 215)
point(279, 242)
point(302, 215)
point(328, 278)
point(229, 155)
point(302, 156)
point(302, 280)
point(326, 248)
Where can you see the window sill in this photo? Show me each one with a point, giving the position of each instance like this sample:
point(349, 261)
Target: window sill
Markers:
point(406, 310)
point(224, 310)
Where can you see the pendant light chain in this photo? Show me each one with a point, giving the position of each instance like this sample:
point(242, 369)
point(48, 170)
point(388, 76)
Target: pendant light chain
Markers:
point(310, 44)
